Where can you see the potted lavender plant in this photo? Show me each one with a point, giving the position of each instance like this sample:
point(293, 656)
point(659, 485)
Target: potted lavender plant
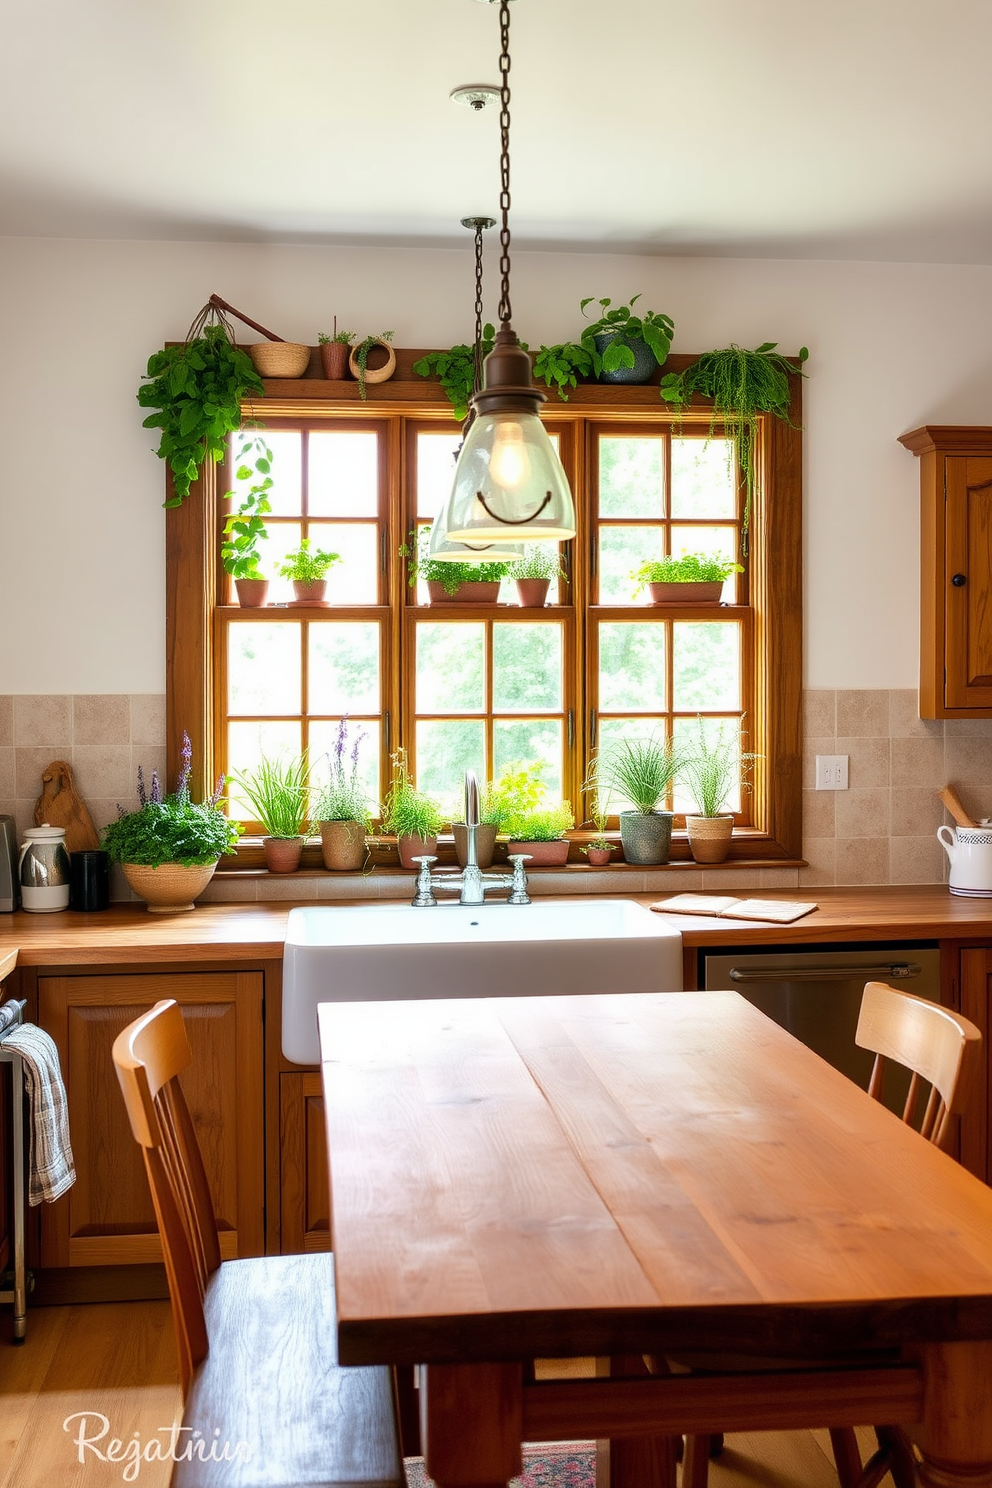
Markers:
point(341, 808)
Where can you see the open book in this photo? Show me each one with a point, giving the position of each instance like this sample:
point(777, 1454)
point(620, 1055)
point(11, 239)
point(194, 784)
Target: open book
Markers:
point(778, 911)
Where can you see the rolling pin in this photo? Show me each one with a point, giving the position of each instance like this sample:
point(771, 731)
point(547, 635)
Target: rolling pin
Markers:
point(952, 801)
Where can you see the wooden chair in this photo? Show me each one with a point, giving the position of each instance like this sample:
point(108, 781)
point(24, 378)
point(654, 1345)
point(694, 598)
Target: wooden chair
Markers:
point(941, 1050)
point(256, 1338)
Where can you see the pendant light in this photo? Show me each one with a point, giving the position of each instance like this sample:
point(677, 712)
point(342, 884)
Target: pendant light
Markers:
point(441, 548)
point(509, 483)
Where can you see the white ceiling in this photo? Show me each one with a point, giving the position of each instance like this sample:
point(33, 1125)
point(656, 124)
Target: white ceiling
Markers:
point(794, 128)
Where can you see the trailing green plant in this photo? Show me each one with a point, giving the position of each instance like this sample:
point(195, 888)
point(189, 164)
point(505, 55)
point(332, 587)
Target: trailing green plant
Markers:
point(196, 390)
point(362, 357)
point(171, 828)
point(689, 568)
point(345, 337)
point(713, 766)
point(306, 565)
point(407, 811)
point(640, 771)
point(451, 575)
point(560, 366)
point(278, 792)
point(245, 529)
point(743, 385)
point(455, 370)
point(542, 823)
point(516, 790)
point(540, 561)
point(343, 797)
point(652, 327)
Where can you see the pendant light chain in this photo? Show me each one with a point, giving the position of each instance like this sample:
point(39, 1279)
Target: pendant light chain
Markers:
point(505, 313)
point(479, 229)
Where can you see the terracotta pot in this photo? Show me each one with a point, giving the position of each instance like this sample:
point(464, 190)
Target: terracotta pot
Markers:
point(342, 844)
point(334, 360)
point(310, 593)
point(282, 854)
point(533, 593)
point(599, 856)
point(485, 843)
point(252, 593)
point(541, 852)
point(415, 847)
point(473, 593)
point(698, 593)
point(646, 835)
point(709, 837)
point(171, 887)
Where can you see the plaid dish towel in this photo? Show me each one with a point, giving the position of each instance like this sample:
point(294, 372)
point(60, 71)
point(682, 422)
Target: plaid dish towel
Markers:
point(50, 1170)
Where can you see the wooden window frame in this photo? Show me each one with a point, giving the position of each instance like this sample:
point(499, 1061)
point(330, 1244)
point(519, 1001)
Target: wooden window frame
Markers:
point(774, 578)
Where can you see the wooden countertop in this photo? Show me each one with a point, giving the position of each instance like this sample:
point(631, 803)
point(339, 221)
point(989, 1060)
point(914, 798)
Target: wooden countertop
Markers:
point(128, 934)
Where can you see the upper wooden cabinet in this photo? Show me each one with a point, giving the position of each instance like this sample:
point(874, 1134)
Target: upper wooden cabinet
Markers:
point(956, 569)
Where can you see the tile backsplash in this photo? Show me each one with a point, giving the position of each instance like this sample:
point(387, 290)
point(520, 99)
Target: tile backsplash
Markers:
point(881, 830)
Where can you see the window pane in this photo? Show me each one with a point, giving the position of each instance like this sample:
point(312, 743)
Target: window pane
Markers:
point(344, 474)
point(263, 669)
point(703, 478)
point(706, 665)
point(631, 477)
point(323, 738)
point(451, 668)
point(527, 668)
point(612, 731)
point(355, 579)
point(632, 668)
point(445, 750)
point(286, 495)
point(344, 667)
point(714, 729)
point(621, 550)
point(530, 739)
point(284, 538)
point(435, 470)
point(246, 744)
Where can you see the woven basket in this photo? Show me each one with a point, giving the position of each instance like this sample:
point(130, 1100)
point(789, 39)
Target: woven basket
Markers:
point(374, 374)
point(171, 887)
point(280, 358)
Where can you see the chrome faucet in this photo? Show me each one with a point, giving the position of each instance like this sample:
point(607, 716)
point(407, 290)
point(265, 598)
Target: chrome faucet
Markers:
point(471, 882)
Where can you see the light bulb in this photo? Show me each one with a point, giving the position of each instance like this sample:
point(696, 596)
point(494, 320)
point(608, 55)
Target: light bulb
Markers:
point(509, 464)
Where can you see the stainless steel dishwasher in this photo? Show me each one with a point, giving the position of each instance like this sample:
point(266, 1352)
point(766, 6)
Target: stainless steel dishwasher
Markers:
point(815, 993)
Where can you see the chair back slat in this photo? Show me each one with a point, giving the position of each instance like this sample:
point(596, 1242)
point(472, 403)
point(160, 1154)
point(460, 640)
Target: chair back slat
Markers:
point(939, 1047)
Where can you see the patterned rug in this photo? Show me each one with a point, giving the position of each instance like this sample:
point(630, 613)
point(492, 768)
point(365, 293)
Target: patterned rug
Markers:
point(551, 1465)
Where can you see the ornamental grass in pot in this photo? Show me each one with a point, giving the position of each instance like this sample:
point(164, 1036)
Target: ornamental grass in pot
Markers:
point(714, 767)
point(278, 791)
point(641, 771)
point(413, 816)
point(341, 807)
point(168, 848)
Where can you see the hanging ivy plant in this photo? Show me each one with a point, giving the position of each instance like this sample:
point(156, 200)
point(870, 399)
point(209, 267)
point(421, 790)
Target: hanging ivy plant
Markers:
point(196, 391)
point(455, 370)
point(743, 385)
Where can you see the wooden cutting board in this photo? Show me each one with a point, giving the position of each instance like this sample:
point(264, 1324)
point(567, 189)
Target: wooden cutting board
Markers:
point(60, 805)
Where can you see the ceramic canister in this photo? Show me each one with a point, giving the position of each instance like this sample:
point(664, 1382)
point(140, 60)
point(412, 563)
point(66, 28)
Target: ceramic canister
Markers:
point(970, 852)
point(44, 869)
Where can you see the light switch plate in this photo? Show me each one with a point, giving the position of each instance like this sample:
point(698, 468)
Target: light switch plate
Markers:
point(831, 771)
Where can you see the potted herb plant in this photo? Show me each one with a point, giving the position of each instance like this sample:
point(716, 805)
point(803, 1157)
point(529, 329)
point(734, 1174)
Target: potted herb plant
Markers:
point(278, 792)
point(413, 816)
point(743, 385)
point(535, 572)
point(452, 582)
point(598, 850)
point(307, 567)
point(245, 529)
point(694, 578)
point(358, 362)
point(515, 790)
point(341, 806)
point(334, 351)
point(711, 770)
point(455, 370)
point(196, 390)
point(640, 771)
point(626, 347)
point(168, 848)
point(541, 833)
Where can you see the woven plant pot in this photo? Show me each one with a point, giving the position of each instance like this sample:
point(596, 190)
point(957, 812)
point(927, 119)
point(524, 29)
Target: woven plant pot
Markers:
point(697, 593)
point(282, 854)
point(415, 847)
point(342, 845)
point(374, 374)
point(334, 360)
point(709, 837)
point(480, 592)
point(646, 836)
point(252, 593)
point(171, 887)
point(485, 843)
point(280, 358)
point(543, 854)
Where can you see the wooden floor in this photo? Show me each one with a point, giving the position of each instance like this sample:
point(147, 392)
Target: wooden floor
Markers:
point(118, 1361)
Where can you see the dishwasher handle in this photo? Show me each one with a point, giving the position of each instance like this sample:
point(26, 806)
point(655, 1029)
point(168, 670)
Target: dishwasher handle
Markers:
point(902, 971)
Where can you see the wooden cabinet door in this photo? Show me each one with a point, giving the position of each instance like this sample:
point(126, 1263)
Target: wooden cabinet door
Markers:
point(106, 1218)
point(304, 1188)
point(976, 999)
point(967, 582)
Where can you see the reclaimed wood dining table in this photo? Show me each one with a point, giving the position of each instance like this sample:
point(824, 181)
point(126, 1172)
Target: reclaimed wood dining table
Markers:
point(635, 1176)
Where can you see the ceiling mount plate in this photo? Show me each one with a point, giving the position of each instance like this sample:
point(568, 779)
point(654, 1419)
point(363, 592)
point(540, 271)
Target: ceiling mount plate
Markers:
point(475, 96)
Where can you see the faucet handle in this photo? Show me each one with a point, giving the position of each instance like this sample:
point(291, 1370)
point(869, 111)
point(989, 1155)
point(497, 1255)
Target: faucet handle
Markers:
point(425, 890)
point(518, 888)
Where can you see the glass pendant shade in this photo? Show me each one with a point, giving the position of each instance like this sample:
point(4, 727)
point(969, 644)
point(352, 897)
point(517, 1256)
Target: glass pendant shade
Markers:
point(442, 550)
